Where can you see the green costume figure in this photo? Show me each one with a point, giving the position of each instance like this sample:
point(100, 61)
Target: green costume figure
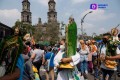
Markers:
point(10, 49)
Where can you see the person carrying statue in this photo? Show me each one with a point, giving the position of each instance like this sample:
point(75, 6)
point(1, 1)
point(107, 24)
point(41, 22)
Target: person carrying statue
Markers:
point(67, 58)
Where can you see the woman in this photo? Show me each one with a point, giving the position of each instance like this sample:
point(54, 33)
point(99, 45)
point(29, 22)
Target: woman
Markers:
point(90, 64)
point(49, 57)
point(84, 58)
point(94, 58)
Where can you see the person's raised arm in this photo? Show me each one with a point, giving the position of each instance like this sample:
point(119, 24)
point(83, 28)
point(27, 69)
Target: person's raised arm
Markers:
point(32, 57)
point(66, 60)
point(113, 57)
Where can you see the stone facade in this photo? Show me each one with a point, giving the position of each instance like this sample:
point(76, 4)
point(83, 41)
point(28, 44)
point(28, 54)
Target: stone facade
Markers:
point(26, 14)
point(48, 31)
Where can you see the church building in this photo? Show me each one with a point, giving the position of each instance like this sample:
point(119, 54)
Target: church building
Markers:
point(48, 31)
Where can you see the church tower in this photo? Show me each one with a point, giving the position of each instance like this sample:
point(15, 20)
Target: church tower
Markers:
point(26, 14)
point(52, 14)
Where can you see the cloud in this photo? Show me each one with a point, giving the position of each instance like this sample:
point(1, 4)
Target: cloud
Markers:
point(102, 29)
point(87, 27)
point(43, 2)
point(9, 17)
point(79, 1)
point(67, 14)
point(98, 15)
point(95, 19)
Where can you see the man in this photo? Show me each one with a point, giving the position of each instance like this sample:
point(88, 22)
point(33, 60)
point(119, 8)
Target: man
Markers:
point(28, 73)
point(104, 52)
point(49, 57)
point(65, 74)
point(37, 57)
point(117, 57)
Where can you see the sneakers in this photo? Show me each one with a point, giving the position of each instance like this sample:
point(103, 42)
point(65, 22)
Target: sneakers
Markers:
point(118, 74)
point(86, 72)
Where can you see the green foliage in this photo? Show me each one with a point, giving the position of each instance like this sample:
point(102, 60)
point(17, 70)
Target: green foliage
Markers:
point(24, 28)
point(97, 37)
point(111, 47)
point(52, 33)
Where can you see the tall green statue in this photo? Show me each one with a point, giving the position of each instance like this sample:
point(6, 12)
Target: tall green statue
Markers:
point(71, 42)
point(71, 37)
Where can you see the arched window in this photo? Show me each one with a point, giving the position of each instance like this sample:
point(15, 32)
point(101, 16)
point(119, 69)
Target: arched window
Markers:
point(27, 18)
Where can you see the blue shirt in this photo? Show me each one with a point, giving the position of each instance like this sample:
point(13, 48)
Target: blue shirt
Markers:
point(20, 65)
point(49, 55)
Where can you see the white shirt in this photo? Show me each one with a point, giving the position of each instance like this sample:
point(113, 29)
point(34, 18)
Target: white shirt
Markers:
point(59, 56)
point(103, 51)
point(39, 53)
point(84, 52)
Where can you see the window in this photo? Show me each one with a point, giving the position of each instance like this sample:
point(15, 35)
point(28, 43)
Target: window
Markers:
point(27, 18)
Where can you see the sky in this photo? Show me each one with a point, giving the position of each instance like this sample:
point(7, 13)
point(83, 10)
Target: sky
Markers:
point(99, 21)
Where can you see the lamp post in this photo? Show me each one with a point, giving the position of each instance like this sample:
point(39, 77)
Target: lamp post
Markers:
point(62, 27)
point(117, 25)
point(82, 21)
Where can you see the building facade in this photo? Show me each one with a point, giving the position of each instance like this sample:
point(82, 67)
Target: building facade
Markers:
point(5, 31)
point(52, 14)
point(26, 16)
point(48, 31)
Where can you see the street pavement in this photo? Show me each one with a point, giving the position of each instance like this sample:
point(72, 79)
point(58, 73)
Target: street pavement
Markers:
point(90, 76)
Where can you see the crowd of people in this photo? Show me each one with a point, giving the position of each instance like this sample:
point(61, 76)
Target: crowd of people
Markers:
point(22, 60)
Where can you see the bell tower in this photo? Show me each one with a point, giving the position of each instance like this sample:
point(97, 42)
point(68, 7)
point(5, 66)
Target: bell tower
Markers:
point(26, 14)
point(52, 14)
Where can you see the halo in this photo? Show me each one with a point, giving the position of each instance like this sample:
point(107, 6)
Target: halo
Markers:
point(27, 37)
point(114, 30)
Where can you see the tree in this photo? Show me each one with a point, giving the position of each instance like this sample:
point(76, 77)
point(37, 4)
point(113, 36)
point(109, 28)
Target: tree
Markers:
point(24, 28)
point(52, 33)
point(39, 33)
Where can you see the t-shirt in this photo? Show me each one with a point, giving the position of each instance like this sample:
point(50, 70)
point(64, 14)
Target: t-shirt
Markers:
point(84, 52)
point(103, 51)
point(20, 65)
point(49, 55)
point(39, 53)
point(94, 50)
point(28, 73)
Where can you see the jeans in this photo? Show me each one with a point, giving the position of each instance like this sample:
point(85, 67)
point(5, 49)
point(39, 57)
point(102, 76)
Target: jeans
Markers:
point(83, 66)
point(96, 72)
point(111, 73)
point(118, 66)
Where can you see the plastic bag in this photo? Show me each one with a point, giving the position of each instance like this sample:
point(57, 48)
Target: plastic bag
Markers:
point(37, 76)
point(2, 71)
point(76, 74)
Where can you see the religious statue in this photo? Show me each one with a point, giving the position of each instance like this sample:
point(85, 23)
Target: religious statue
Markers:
point(71, 41)
point(10, 48)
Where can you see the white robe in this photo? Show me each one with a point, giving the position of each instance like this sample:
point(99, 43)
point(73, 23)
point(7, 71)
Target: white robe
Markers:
point(66, 74)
